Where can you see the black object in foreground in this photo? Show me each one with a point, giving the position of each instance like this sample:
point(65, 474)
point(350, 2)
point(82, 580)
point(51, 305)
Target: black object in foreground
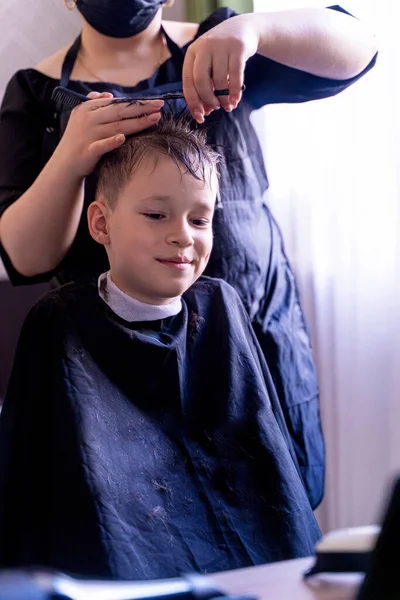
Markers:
point(382, 579)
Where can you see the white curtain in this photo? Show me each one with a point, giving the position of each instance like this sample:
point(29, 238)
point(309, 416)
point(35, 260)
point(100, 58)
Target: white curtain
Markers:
point(334, 168)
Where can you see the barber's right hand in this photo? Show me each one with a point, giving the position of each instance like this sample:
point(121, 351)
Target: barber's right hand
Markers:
point(97, 127)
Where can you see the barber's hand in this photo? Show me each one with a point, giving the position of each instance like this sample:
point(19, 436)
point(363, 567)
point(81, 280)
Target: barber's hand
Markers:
point(97, 127)
point(216, 60)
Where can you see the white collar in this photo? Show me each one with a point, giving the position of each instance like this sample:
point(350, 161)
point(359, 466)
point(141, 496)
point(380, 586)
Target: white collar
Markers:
point(129, 308)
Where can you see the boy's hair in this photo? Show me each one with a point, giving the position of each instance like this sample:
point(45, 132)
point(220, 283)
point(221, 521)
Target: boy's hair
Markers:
point(171, 137)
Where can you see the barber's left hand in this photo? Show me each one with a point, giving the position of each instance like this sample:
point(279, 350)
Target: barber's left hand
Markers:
point(216, 61)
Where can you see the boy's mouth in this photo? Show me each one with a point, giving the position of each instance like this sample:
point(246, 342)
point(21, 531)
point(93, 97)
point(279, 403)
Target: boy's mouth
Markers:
point(176, 262)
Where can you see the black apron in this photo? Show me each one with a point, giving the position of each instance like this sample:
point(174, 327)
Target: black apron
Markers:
point(248, 253)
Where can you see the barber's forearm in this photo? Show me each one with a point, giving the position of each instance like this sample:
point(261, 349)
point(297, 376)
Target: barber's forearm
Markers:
point(39, 228)
point(323, 42)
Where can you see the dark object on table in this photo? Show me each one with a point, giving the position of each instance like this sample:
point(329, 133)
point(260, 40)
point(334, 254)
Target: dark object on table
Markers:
point(345, 551)
point(367, 549)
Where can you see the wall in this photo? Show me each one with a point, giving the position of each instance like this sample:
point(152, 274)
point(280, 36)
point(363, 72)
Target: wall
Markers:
point(334, 170)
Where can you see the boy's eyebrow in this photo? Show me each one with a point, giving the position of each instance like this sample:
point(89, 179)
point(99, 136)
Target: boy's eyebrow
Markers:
point(161, 198)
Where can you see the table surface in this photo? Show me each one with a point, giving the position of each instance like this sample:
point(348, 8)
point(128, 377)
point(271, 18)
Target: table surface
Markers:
point(284, 581)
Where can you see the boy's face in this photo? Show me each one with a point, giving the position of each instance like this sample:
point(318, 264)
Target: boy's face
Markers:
point(158, 236)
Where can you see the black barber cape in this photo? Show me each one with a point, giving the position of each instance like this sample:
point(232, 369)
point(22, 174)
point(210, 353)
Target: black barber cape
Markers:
point(146, 450)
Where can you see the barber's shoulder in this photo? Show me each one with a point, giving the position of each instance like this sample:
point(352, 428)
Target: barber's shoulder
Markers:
point(51, 66)
point(181, 33)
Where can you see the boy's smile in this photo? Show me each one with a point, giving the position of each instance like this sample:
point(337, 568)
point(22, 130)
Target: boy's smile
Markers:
point(176, 262)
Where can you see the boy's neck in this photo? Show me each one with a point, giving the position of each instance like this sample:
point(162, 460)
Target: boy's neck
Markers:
point(131, 309)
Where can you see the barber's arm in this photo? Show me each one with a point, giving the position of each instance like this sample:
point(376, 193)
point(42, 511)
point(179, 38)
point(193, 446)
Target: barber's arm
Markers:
point(321, 42)
point(39, 226)
point(327, 43)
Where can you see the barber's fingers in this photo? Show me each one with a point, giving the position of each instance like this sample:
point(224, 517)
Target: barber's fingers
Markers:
point(126, 126)
point(192, 97)
point(113, 135)
point(101, 110)
point(121, 111)
point(93, 95)
point(101, 147)
point(205, 71)
point(220, 80)
point(218, 72)
point(198, 87)
point(203, 79)
point(236, 66)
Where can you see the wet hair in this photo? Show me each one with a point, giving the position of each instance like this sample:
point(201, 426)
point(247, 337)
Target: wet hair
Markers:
point(172, 137)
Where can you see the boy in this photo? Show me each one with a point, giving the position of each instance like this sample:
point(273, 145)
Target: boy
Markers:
point(141, 436)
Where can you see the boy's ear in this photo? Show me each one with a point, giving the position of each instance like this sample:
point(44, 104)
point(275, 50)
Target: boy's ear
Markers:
point(97, 215)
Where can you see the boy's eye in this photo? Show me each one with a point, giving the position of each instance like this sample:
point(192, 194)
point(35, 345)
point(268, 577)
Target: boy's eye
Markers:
point(200, 222)
point(154, 216)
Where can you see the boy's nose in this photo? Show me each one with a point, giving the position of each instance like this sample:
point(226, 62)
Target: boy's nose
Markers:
point(181, 237)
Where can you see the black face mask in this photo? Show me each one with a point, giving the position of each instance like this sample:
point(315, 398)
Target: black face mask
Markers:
point(119, 18)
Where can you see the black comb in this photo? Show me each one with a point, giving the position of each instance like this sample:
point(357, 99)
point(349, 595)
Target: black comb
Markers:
point(69, 99)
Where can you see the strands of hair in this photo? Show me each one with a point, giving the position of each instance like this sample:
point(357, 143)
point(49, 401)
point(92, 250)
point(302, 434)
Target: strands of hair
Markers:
point(172, 136)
